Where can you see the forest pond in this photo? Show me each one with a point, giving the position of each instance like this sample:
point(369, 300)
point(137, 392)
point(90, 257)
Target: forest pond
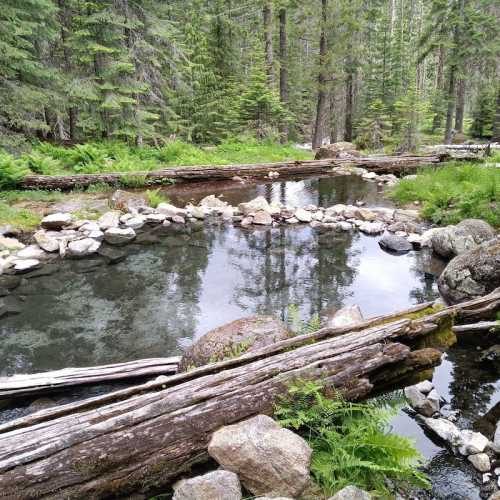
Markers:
point(176, 285)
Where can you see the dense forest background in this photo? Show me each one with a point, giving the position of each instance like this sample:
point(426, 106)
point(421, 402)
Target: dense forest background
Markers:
point(379, 72)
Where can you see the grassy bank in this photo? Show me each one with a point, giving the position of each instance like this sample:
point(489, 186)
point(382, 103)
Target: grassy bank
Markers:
point(110, 156)
point(454, 192)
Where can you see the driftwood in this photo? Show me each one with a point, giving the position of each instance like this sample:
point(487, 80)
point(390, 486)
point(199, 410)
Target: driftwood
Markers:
point(39, 383)
point(482, 326)
point(382, 164)
point(140, 438)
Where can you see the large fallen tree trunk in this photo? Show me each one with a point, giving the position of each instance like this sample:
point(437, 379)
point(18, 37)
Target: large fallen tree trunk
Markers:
point(40, 383)
point(141, 438)
point(382, 164)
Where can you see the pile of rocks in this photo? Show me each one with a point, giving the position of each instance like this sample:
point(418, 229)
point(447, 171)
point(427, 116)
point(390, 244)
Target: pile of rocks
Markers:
point(482, 453)
point(265, 459)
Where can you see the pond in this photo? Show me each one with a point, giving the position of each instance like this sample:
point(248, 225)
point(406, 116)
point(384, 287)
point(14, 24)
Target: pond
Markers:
point(177, 283)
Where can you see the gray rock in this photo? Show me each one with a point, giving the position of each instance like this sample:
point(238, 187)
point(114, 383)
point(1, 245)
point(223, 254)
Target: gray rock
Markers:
point(268, 459)
point(83, 247)
point(216, 485)
point(425, 386)
point(445, 429)
point(231, 339)
point(406, 215)
point(10, 244)
point(262, 218)
point(336, 150)
point(496, 439)
point(212, 201)
point(351, 493)
point(465, 236)
point(259, 203)
point(109, 219)
point(46, 242)
point(273, 498)
point(127, 201)
point(347, 316)
point(117, 236)
point(393, 243)
point(154, 218)
point(303, 215)
point(480, 461)
point(197, 212)
point(25, 265)
point(371, 227)
point(420, 403)
point(89, 226)
point(31, 252)
point(434, 399)
point(472, 442)
point(136, 222)
point(472, 274)
point(57, 221)
point(178, 219)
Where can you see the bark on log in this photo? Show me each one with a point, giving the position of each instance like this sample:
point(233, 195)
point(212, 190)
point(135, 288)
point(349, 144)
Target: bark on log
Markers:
point(41, 383)
point(380, 164)
point(143, 437)
point(482, 326)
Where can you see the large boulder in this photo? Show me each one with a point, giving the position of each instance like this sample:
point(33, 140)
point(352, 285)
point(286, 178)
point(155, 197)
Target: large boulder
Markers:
point(270, 460)
point(232, 339)
point(336, 150)
point(216, 485)
point(394, 243)
point(56, 221)
point(472, 274)
point(466, 235)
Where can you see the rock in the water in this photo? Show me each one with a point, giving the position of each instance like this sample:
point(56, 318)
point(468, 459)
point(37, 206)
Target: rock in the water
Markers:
point(425, 386)
point(117, 236)
point(347, 316)
point(420, 403)
point(336, 150)
point(255, 205)
point(303, 215)
point(445, 429)
point(480, 461)
point(83, 247)
point(472, 442)
point(154, 218)
point(465, 236)
point(57, 221)
point(262, 218)
point(394, 243)
point(371, 227)
point(112, 255)
point(233, 339)
point(351, 493)
point(136, 222)
point(46, 242)
point(216, 485)
point(496, 438)
point(31, 252)
point(126, 201)
point(212, 201)
point(268, 459)
point(472, 274)
point(10, 244)
point(109, 219)
point(197, 212)
point(25, 265)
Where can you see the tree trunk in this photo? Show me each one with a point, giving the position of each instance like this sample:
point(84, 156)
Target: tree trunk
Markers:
point(349, 99)
point(459, 113)
point(322, 102)
point(448, 134)
point(141, 438)
point(438, 113)
point(283, 70)
point(496, 125)
point(268, 40)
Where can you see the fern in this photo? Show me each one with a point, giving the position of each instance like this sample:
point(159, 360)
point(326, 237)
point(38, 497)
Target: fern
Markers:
point(351, 441)
point(297, 325)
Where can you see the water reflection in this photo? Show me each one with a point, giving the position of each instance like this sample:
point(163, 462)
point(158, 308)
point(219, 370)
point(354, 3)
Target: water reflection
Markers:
point(189, 283)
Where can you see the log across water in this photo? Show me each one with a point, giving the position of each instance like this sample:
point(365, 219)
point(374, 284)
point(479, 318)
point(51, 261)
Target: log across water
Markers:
point(379, 164)
point(143, 437)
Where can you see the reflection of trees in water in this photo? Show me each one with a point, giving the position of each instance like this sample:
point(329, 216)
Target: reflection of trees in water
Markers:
point(137, 308)
point(284, 266)
point(426, 269)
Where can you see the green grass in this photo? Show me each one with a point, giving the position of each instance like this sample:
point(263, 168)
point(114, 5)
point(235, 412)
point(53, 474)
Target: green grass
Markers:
point(454, 192)
point(155, 197)
point(13, 196)
point(21, 218)
point(351, 442)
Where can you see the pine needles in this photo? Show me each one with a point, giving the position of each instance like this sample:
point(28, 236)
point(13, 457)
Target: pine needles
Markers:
point(351, 441)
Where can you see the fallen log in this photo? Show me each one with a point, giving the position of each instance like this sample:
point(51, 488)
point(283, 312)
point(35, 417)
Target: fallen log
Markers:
point(141, 438)
point(40, 383)
point(382, 164)
point(482, 326)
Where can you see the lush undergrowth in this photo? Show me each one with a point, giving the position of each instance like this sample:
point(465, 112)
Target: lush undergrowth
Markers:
point(20, 218)
point(351, 442)
point(48, 159)
point(454, 192)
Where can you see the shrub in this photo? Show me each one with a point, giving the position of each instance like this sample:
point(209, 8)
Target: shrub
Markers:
point(351, 441)
point(42, 164)
point(155, 197)
point(12, 171)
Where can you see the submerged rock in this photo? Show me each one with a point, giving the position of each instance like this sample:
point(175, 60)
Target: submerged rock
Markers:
point(269, 459)
point(216, 485)
point(465, 236)
point(394, 243)
point(233, 339)
point(347, 316)
point(492, 354)
point(472, 274)
point(351, 493)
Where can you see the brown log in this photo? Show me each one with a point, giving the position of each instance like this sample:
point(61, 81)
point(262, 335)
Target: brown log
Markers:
point(141, 438)
point(379, 164)
point(41, 383)
point(482, 326)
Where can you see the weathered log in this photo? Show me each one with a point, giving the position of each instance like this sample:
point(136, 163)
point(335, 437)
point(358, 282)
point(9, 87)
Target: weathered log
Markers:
point(140, 438)
point(380, 164)
point(39, 383)
point(482, 326)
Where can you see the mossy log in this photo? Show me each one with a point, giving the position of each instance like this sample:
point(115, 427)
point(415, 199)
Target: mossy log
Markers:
point(379, 164)
point(141, 438)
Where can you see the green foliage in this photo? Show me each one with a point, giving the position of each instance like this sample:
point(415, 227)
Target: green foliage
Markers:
point(18, 217)
point(483, 113)
point(155, 197)
point(297, 325)
point(454, 192)
point(351, 442)
point(12, 171)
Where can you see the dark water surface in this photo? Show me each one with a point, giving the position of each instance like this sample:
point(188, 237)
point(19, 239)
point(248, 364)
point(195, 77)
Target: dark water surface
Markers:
point(190, 280)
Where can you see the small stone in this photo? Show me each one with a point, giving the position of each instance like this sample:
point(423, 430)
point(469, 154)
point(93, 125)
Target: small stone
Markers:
point(394, 243)
point(10, 244)
point(259, 203)
point(303, 215)
point(262, 218)
point(435, 399)
point(366, 215)
point(178, 219)
point(351, 493)
point(46, 242)
point(347, 316)
point(124, 218)
point(197, 212)
point(212, 201)
point(83, 247)
point(154, 218)
point(371, 228)
point(496, 439)
point(31, 252)
point(216, 485)
point(445, 429)
point(25, 265)
point(481, 461)
point(136, 222)
point(109, 219)
point(472, 442)
point(425, 386)
point(344, 226)
point(56, 221)
point(486, 478)
point(246, 221)
point(117, 236)
point(419, 402)
point(89, 226)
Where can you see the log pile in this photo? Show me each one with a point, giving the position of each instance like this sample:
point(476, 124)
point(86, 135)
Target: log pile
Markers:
point(379, 164)
point(141, 438)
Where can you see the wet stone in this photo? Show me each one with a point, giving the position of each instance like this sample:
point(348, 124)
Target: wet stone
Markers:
point(87, 265)
point(10, 305)
point(112, 255)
